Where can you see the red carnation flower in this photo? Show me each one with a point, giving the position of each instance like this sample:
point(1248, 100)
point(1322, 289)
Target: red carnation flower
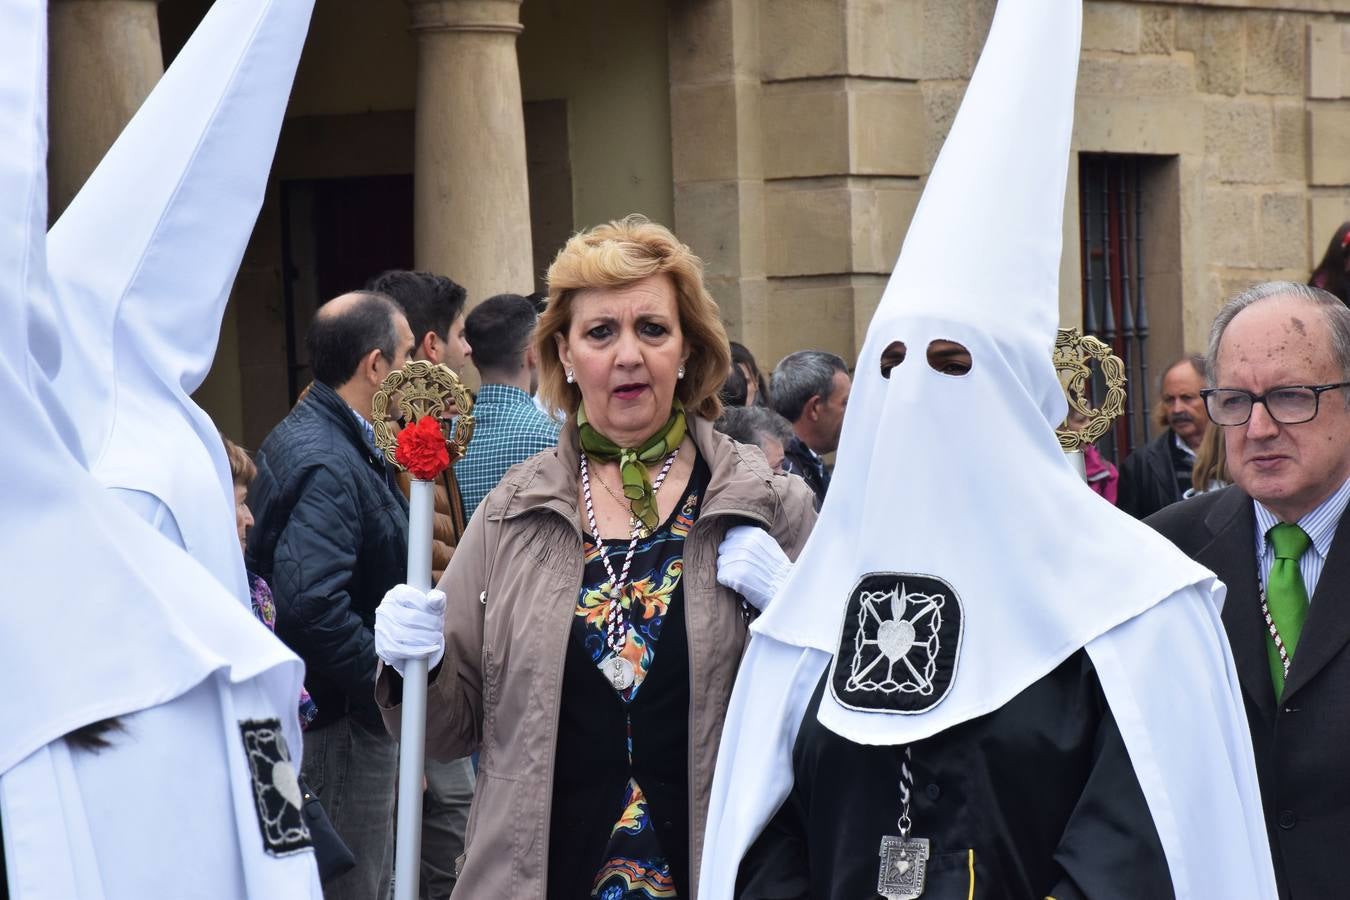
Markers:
point(421, 449)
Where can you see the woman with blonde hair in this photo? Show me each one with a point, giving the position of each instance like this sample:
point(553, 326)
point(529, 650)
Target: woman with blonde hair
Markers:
point(588, 649)
point(1210, 470)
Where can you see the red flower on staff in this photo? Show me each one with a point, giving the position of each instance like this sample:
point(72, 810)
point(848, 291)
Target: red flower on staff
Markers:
point(421, 449)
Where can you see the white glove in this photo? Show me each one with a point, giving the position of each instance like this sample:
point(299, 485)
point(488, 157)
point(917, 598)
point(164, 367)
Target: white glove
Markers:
point(751, 563)
point(410, 625)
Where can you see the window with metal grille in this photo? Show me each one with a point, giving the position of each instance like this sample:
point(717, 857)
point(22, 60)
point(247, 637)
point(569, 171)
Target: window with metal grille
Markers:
point(1115, 307)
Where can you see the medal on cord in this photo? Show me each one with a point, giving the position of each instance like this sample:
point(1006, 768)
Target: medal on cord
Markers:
point(904, 860)
point(618, 671)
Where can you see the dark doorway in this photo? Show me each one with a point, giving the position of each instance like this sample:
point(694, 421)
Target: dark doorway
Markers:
point(336, 234)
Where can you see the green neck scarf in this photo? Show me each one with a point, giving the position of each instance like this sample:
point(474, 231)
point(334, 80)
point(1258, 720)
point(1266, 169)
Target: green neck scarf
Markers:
point(633, 462)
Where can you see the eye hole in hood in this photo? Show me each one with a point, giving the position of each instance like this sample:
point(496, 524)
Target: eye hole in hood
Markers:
point(892, 356)
point(949, 358)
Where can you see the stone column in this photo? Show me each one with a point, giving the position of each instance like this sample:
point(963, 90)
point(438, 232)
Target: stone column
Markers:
point(105, 58)
point(471, 209)
point(717, 158)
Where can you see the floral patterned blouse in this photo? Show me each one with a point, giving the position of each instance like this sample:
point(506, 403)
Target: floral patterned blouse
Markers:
point(620, 819)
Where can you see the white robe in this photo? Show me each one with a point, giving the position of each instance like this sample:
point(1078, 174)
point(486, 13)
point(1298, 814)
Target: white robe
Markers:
point(166, 811)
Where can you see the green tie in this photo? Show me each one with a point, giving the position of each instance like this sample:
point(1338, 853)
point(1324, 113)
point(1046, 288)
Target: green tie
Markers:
point(1286, 595)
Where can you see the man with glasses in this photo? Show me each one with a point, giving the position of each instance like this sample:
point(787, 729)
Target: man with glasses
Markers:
point(1279, 375)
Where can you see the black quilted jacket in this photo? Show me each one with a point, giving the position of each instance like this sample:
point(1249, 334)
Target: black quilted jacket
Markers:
point(330, 535)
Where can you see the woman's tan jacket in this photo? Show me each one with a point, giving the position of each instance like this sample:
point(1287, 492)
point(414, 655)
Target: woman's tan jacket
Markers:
point(512, 591)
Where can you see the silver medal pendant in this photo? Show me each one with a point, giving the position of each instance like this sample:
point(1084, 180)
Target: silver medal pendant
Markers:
point(904, 866)
point(618, 672)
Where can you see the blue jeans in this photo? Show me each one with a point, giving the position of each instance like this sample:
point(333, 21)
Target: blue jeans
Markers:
point(354, 770)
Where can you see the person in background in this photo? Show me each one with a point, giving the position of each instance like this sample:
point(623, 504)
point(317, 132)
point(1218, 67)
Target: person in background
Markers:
point(760, 427)
point(810, 389)
point(575, 646)
point(1210, 471)
point(434, 306)
point(755, 392)
point(734, 390)
point(1159, 473)
point(331, 537)
point(1101, 475)
point(508, 427)
point(1333, 272)
point(242, 472)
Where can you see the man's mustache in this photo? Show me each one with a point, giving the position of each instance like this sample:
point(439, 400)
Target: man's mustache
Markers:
point(1181, 417)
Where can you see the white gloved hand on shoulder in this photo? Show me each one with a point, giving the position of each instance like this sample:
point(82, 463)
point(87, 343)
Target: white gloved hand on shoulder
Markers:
point(751, 563)
point(410, 625)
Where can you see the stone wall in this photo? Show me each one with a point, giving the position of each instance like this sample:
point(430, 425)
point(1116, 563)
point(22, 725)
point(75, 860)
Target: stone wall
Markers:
point(803, 130)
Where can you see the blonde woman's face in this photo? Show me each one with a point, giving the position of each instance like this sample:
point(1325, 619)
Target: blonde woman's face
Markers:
point(624, 348)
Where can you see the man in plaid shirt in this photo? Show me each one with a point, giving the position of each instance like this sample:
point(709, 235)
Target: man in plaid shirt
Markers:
point(508, 427)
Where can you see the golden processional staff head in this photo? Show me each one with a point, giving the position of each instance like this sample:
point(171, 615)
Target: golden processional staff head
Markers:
point(1073, 355)
point(422, 391)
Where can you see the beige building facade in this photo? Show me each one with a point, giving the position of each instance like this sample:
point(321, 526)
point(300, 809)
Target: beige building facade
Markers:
point(786, 141)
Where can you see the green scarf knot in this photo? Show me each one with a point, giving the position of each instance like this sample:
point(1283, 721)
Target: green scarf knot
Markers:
point(633, 462)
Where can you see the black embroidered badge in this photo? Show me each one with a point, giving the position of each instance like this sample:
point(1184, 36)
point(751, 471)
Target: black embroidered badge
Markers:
point(899, 644)
point(276, 788)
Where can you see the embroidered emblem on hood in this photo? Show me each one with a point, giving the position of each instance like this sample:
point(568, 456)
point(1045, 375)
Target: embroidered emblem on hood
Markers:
point(276, 788)
point(899, 644)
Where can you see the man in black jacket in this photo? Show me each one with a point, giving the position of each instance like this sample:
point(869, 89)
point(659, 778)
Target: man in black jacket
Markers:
point(1159, 473)
point(810, 389)
point(330, 535)
point(1280, 539)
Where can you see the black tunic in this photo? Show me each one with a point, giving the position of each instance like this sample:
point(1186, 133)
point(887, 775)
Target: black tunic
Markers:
point(1036, 799)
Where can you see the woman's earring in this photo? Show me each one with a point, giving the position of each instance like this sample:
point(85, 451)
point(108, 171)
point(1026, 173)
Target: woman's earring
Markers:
point(572, 379)
point(680, 374)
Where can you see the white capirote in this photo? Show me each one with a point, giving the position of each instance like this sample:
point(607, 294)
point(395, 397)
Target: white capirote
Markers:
point(145, 634)
point(143, 260)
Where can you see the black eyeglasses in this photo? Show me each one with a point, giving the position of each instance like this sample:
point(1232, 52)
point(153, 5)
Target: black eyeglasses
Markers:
point(1289, 405)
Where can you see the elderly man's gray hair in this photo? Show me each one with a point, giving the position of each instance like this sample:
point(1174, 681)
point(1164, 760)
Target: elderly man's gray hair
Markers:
point(751, 424)
point(801, 376)
point(1337, 317)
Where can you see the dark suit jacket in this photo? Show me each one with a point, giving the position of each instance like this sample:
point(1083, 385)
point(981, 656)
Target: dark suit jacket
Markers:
point(1302, 743)
point(1148, 481)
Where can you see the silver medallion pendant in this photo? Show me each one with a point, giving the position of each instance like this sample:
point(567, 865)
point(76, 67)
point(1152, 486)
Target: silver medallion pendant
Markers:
point(618, 672)
point(904, 866)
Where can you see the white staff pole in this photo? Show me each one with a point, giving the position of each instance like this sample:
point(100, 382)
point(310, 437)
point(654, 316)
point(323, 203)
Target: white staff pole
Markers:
point(412, 744)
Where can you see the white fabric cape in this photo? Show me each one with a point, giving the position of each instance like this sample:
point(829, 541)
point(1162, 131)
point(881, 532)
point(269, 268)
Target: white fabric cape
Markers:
point(961, 478)
point(102, 616)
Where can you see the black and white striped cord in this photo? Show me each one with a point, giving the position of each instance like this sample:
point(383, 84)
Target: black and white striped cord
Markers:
point(1274, 633)
point(906, 790)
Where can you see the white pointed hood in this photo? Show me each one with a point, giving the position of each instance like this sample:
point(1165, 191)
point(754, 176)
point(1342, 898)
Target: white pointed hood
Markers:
point(143, 260)
point(960, 478)
point(102, 616)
